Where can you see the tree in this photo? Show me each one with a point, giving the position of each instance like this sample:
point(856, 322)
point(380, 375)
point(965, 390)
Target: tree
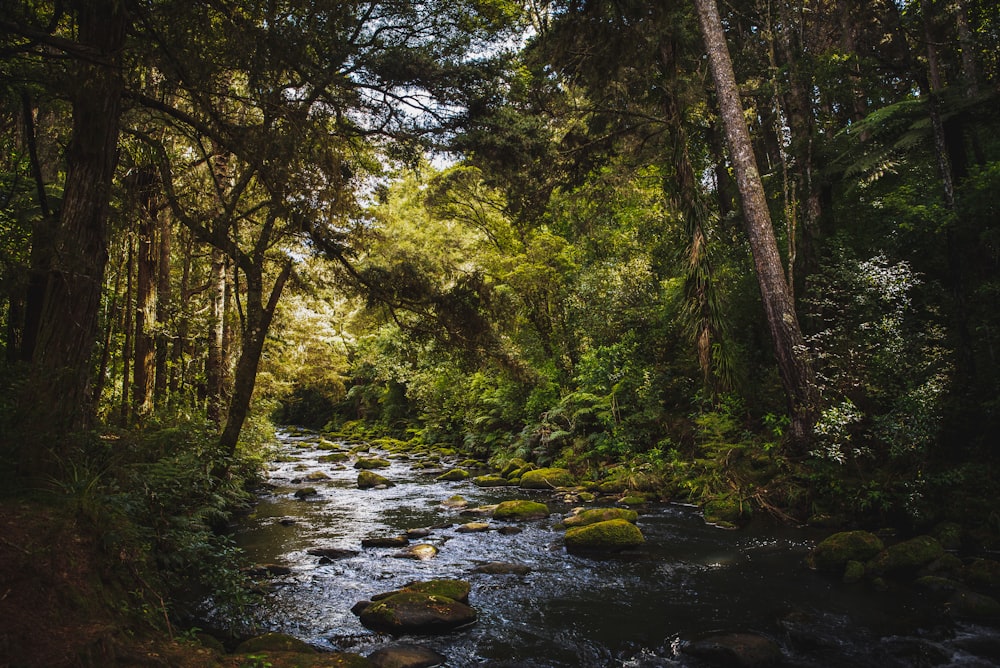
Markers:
point(793, 359)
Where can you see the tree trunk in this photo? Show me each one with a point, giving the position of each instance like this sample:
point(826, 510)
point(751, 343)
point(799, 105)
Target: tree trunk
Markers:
point(163, 306)
point(144, 373)
point(794, 364)
point(214, 372)
point(57, 398)
point(258, 321)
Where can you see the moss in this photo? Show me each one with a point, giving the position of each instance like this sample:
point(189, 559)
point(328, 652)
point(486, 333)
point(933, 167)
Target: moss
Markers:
point(305, 492)
point(512, 466)
point(854, 571)
point(457, 590)
point(600, 515)
point(454, 475)
point(983, 573)
point(491, 481)
point(833, 553)
point(548, 478)
point(274, 642)
point(334, 457)
point(520, 509)
point(610, 535)
point(906, 556)
point(971, 605)
point(633, 500)
point(372, 463)
point(369, 479)
point(726, 510)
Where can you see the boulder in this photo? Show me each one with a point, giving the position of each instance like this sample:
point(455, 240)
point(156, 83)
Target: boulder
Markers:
point(305, 493)
point(491, 481)
point(908, 556)
point(600, 515)
point(372, 463)
point(458, 590)
point(607, 536)
point(982, 573)
point(421, 552)
point(520, 509)
point(415, 612)
point(331, 552)
point(386, 541)
point(739, 650)
point(548, 478)
point(274, 642)
point(514, 465)
point(453, 475)
point(971, 605)
point(334, 458)
point(473, 527)
point(370, 480)
point(406, 656)
point(316, 476)
point(833, 553)
point(502, 568)
point(726, 511)
point(456, 501)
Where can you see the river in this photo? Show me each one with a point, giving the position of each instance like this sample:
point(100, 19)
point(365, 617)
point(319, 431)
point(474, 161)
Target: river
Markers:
point(639, 610)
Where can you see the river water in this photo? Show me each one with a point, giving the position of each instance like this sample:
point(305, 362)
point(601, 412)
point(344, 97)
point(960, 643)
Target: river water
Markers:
point(639, 610)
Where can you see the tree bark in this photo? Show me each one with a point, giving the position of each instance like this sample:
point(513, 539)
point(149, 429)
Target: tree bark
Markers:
point(258, 320)
point(794, 363)
point(214, 372)
point(57, 398)
point(144, 368)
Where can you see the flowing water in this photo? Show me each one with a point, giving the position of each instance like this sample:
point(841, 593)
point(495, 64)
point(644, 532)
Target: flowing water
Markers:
point(689, 580)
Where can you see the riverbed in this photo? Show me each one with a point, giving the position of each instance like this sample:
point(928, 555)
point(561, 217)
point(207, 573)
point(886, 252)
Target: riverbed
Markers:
point(641, 609)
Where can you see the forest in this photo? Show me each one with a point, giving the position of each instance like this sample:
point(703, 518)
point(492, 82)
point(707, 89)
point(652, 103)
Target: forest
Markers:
point(743, 255)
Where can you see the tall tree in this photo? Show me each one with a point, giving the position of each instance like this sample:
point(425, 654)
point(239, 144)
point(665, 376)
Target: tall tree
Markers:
point(794, 363)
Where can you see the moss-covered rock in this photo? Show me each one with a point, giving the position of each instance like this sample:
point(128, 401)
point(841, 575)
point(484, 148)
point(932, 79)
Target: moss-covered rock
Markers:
point(366, 463)
point(512, 466)
point(910, 555)
point(406, 656)
point(593, 515)
point(415, 612)
point(455, 589)
point(726, 511)
point(491, 481)
point(520, 509)
point(607, 536)
point(949, 534)
point(833, 553)
point(453, 475)
point(306, 492)
point(473, 527)
point(972, 605)
point(548, 478)
point(455, 501)
point(634, 500)
point(741, 650)
point(370, 479)
point(421, 552)
point(854, 571)
point(982, 573)
point(274, 642)
point(334, 458)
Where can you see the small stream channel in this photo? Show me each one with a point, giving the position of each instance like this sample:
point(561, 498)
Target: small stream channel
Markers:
point(689, 580)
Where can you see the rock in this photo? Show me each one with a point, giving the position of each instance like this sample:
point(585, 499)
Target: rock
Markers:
point(456, 501)
point(267, 570)
point(607, 536)
point(833, 553)
point(334, 458)
point(612, 487)
point(372, 463)
point(600, 515)
point(514, 465)
point(370, 480)
point(939, 585)
point(387, 541)
point(970, 605)
point(549, 478)
point(453, 475)
point(509, 531)
point(414, 612)
point(423, 552)
point(331, 552)
point(854, 571)
point(502, 568)
point(726, 511)
point(739, 650)
point(418, 533)
point(305, 493)
point(458, 590)
point(982, 573)
point(949, 534)
point(478, 511)
point(406, 656)
point(274, 642)
point(908, 556)
point(473, 527)
point(520, 509)
point(491, 481)
point(316, 476)
point(287, 521)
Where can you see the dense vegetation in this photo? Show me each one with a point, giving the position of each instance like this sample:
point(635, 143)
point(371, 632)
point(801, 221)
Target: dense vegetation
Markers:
point(534, 230)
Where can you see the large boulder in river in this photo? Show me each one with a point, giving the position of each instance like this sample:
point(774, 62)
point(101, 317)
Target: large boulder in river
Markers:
point(370, 480)
point(372, 463)
point(454, 475)
point(906, 557)
point(406, 656)
point(736, 650)
point(607, 536)
point(593, 515)
point(520, 509)
point(416, 612)
point(549, 478)
point(491, 481)
point(833, 553)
